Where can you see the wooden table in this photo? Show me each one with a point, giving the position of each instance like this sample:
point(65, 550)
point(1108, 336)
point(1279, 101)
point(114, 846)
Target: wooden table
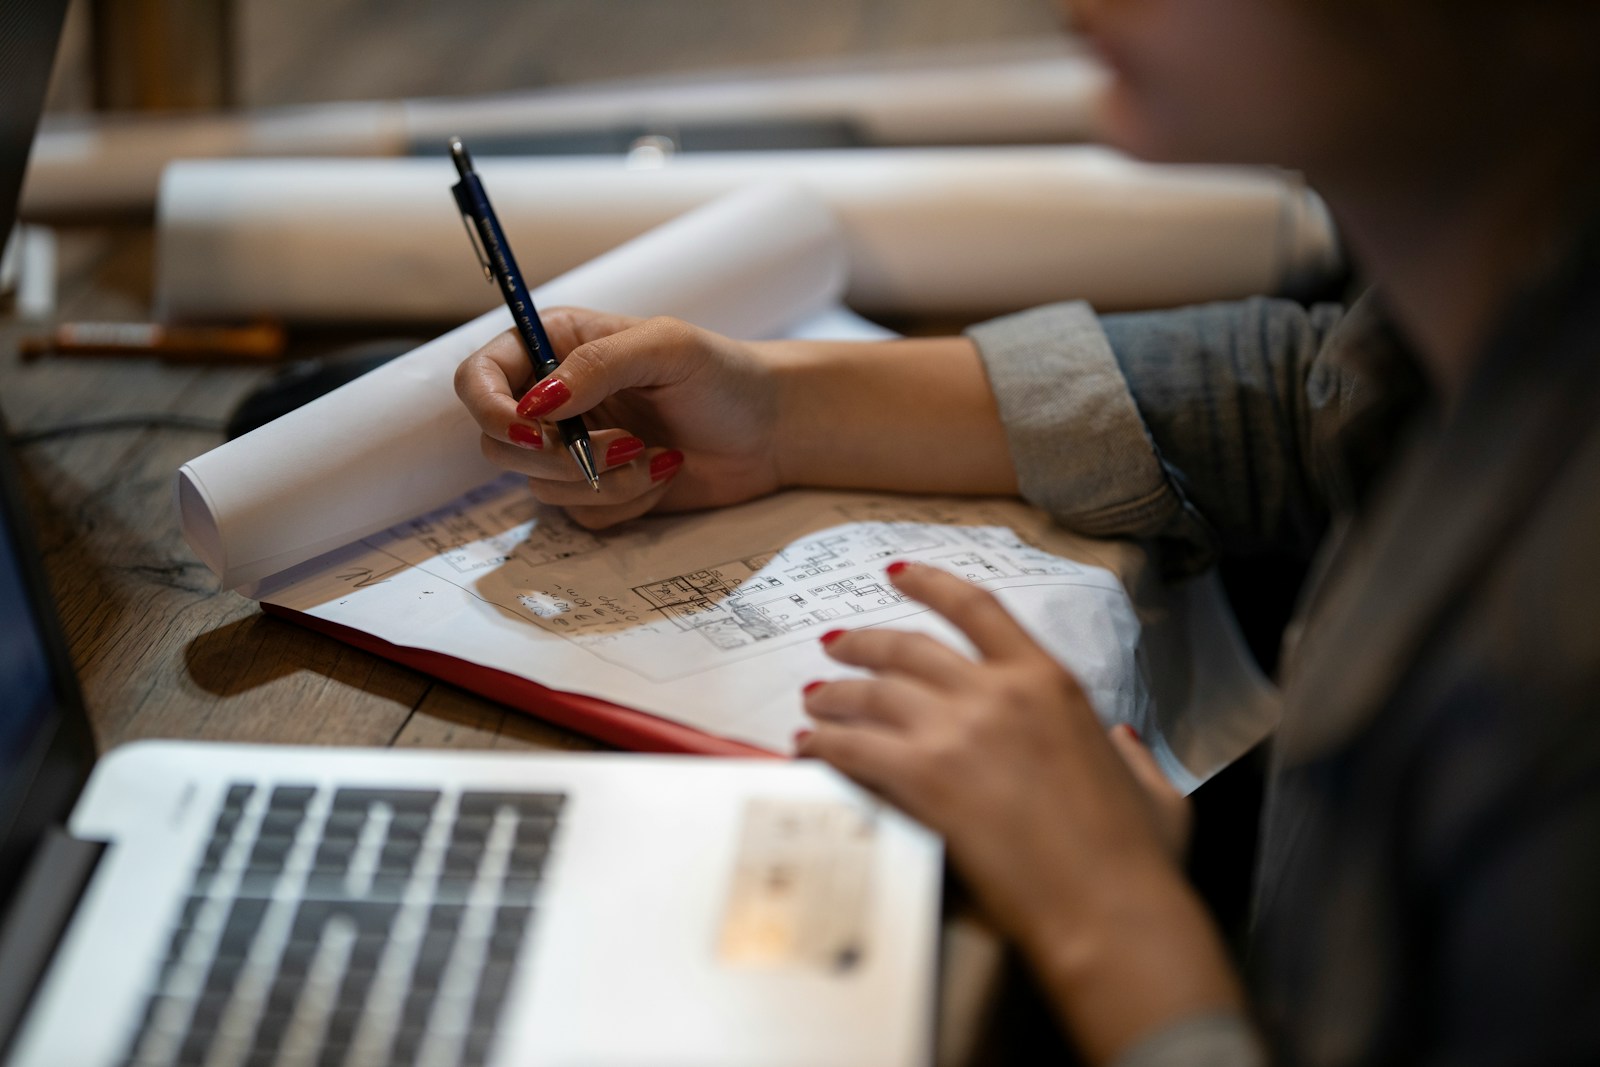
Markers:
point(162, 651)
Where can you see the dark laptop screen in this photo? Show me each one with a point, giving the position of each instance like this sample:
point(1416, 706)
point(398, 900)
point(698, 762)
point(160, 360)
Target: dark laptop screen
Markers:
point(29, 30)
point(45, 747)
point(30, 697)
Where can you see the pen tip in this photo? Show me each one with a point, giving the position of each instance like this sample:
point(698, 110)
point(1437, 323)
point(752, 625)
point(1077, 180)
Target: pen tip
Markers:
point(581, 452)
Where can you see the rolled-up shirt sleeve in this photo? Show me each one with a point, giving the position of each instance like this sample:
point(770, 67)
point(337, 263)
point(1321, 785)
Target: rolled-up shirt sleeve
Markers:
point(1219, 1040)
point(1193, 428)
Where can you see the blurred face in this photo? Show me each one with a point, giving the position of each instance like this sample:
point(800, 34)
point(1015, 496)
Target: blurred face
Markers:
point(1234, 81)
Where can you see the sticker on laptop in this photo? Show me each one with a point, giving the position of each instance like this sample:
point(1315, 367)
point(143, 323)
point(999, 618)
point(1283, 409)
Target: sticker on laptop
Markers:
point(801, 886)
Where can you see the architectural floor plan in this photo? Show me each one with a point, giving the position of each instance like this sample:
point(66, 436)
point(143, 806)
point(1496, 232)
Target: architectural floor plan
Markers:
point(715, 615)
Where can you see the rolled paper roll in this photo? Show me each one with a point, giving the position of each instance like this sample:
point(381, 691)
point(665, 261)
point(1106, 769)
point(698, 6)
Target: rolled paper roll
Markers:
point(945, 232)
point(1018, 94)
point(396, 442)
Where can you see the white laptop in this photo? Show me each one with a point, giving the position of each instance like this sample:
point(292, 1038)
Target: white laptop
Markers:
point(249, 906)
point(252, 905)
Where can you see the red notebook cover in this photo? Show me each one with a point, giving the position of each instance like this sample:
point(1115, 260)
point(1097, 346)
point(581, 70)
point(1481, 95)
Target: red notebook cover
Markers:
point(602, 720)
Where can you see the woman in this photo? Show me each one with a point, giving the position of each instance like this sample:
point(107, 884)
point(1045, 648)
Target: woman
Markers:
point(1430, 879)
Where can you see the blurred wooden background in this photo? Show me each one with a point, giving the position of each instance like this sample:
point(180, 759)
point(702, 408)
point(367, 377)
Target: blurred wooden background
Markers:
point(298, 51)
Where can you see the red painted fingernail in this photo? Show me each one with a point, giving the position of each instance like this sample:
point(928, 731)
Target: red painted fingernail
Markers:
point(1133, 733)
point(665, 465)
point(896, 567)
point(623, 450)
point(526, 436)
point(801, 737)
point(544, 398)
point(809, 688)
point(830, 637)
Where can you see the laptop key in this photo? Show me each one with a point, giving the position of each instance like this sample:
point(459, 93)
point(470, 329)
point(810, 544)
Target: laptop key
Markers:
point(512, 919)
point(504, 946)
point(400, 800)
point(461, 862)
point(410, 823)
point(521, 891)
point(258, 883)
point(492, 986)
point(281, 822)
point(534, 830)
point(471, 829)
point(227, 822)
point(344, 823)
point(527, 860)
point(211, 859)
point(475, 1050)
point(388, 886)
point(477, 803)
point(372, 917)
point(191, 908)
point(398, 857)
point(407, 1040)
point(291, 797)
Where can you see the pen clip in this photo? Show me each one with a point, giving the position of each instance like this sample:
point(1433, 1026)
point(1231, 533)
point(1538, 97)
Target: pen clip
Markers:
point(477, 243)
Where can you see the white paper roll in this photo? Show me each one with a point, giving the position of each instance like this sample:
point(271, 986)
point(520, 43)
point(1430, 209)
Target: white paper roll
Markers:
point(929, 231)
point(396, 442)
point(111, 165)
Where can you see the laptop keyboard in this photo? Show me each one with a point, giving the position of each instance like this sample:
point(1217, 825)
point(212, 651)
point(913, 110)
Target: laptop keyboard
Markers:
point(354, 927)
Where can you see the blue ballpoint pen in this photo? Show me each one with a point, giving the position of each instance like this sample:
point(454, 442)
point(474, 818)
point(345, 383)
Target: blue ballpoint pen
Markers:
point(494, 252)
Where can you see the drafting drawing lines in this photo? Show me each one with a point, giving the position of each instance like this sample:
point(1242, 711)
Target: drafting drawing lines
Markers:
point(813, 582)
point(485, 532)
point(737, 604)
point(830, 578)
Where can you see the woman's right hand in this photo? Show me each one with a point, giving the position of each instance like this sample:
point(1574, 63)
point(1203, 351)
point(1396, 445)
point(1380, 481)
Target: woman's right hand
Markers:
point(679, 417)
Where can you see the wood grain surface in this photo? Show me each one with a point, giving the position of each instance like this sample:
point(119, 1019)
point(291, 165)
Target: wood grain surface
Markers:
point(161, 651)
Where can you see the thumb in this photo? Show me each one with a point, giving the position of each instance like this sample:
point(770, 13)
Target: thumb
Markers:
point(651, 353)
point(568, 327)
point(1173, 814)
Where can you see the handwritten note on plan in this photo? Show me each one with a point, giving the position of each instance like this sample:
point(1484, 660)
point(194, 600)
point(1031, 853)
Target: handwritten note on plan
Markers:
point(712, 619)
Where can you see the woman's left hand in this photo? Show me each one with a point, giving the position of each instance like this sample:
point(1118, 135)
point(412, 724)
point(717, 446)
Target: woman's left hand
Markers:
point(1070, 844)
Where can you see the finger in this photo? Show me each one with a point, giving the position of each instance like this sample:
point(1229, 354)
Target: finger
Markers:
point(973, 611)
point(642, 355)
point(648, 473)
point(916, 656)
point(1142, 763)
point(601, 516)
point(1172, 810)
point(863, 753)
point(889, 702)
point(488, 380)
point(539, 452)
point(569, 327)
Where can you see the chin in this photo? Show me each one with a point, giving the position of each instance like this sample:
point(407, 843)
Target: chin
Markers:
point(1157, 135)
point(1127, 127)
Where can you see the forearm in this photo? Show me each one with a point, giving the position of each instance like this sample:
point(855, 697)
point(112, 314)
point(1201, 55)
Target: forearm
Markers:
point(1144, 959)
point(908, 416)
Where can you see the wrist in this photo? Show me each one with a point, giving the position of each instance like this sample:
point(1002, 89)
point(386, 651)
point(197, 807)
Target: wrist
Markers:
point(913, 416)
point(799, 375)
point(1141, 957)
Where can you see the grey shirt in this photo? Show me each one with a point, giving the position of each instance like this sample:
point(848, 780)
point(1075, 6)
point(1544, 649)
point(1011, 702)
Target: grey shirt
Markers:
point(1429, 890)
